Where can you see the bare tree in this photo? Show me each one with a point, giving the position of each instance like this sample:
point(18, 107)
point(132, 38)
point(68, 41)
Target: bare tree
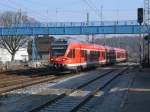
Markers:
point(13, 43)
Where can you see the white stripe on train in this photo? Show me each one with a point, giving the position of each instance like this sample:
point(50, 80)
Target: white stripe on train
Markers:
point(90, 63)
point(87, 63)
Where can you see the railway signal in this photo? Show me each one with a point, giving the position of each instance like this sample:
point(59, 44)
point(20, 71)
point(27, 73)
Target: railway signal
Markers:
point(140, 21)
point(140, 16)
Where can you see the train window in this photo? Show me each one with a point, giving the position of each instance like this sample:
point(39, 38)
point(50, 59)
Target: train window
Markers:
point(104, 55)
point(58, 50)
point(97, 54)
point(94, 54)
point(91, 54)
point(112, 55)
point(71, 53)
point(120, 55)
point(83, 53)
point(123, 55)
point(117, 55)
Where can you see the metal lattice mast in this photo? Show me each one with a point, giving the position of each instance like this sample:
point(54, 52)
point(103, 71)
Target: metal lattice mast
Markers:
point(147, 12)
point(146, 51)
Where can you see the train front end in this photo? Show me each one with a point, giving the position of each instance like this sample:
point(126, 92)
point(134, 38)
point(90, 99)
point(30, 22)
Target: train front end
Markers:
point(57, 54)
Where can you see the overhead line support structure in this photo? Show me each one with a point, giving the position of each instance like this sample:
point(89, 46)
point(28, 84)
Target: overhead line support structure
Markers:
point(34, 49)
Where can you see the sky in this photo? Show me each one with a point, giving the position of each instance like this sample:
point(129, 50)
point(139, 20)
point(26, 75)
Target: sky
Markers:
point(74, 10)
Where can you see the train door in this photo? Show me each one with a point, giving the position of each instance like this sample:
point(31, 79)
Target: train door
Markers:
point(107, 57)
point(72, 55)
point(88, 57)
point(112, 57)
point(126, 56)
point(83, 58)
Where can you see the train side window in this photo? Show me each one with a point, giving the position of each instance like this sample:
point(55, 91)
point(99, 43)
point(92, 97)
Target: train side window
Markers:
point(97, 54)
point(82, 53)
point(94, 54)
point(103, 55)
point(91, 54)
point(85, 54)
point(117, 55)
point(71, 53)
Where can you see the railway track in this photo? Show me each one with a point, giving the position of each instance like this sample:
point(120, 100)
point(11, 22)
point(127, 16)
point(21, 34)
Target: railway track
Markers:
point(17, 85)
point(76, 98)
point(19, 79)
point(12, 80)
point(47, 96)
point(69, 96)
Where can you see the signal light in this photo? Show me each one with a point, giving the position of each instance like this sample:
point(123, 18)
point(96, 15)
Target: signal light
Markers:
point(140, 16)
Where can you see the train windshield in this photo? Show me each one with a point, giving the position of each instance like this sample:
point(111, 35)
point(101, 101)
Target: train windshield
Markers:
point(58, 48)
point(58, 51)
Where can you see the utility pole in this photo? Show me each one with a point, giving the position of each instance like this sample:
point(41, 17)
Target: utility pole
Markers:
point(101, 19)
point(101, 14)
point(56, 14)
point(146, 12)
point(93, 38)
point(47, 15)
point(146, 24)
point(20, 17)
point(87, 18)
point(87, 23)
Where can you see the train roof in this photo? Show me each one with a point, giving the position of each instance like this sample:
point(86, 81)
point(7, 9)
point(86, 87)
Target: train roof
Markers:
point(111, 49)
point(86, 45)
point(95, 46)
point(108, 48)
point(119, 49)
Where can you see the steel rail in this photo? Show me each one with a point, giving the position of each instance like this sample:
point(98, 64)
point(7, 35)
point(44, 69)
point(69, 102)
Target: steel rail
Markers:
point(69, 92)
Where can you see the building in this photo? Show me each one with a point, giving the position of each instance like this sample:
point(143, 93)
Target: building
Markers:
point(42, 45)
point(21, 55)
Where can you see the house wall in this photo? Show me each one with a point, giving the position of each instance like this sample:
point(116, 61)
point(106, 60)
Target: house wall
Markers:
point(21, 55)
point(42, 45)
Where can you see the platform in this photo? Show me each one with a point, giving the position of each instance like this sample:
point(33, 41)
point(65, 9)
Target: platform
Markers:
point(138, 99)
point(131, 93)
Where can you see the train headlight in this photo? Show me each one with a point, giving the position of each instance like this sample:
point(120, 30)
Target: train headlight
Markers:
point(64, 59)
point(52, 59)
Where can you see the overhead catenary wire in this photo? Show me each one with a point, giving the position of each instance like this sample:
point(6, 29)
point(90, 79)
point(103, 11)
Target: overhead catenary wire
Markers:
point(7, 6)
point(36, 13)
point(91, 7)
point(94, 6)
point(12, 4)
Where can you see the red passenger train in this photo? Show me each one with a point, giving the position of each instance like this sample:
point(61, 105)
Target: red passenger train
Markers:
point(75, 56)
